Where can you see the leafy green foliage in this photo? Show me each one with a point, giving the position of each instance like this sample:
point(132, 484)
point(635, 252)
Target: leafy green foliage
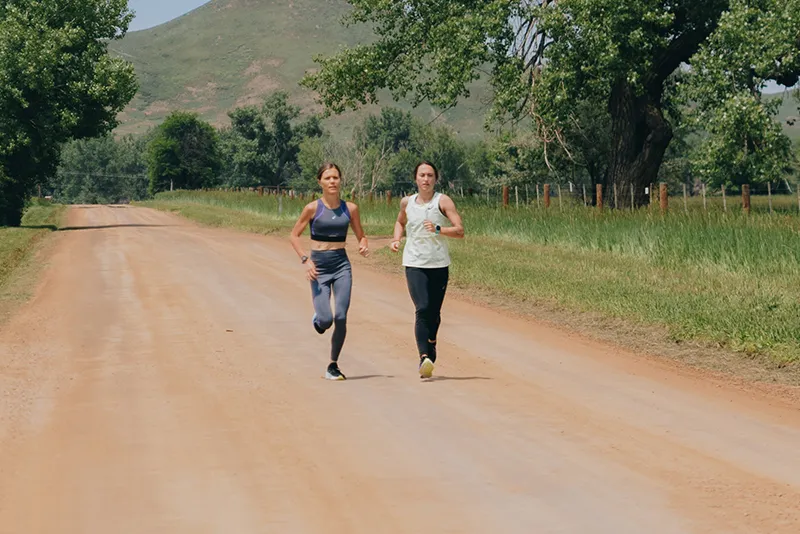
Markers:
point(579, 71)
point(184, 154)
point(757, 41)
point(262, 144)
point(103, 170)
point(57, 82)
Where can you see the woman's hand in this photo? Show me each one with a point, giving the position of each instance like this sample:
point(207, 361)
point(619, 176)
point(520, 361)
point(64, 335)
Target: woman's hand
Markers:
point(394, 246)
point(363, 247)
point(311, 270)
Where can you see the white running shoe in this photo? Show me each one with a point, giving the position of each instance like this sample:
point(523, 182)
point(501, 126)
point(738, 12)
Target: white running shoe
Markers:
point(426, 368)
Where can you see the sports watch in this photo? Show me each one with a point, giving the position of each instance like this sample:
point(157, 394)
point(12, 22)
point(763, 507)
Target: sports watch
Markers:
point(438, 229)
point(303, 259)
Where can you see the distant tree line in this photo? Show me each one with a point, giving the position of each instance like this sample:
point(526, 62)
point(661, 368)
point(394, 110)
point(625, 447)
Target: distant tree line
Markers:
point(271, 145)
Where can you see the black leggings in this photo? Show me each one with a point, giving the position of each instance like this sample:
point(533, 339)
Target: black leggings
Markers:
point(427, 288)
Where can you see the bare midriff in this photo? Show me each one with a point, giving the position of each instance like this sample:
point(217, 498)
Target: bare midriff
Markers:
point(325, 245)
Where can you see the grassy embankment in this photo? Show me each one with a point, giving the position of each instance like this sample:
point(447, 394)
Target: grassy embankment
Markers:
point(17, 248)
point(699, 281)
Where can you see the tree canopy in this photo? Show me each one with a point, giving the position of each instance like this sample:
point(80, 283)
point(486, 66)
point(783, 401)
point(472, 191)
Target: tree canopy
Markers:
point(57, 82)
point(548, 59)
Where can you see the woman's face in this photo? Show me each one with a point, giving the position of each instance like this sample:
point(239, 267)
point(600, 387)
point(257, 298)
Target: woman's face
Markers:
point(330, 181)
point(426, 178)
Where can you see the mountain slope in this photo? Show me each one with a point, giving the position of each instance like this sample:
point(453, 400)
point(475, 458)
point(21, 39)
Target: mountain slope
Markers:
point(233, 52)
point(228, 53)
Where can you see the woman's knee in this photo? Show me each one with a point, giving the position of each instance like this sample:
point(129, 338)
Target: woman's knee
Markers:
point(324, 320)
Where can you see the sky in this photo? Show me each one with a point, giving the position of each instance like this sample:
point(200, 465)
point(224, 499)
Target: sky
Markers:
point(151, 13)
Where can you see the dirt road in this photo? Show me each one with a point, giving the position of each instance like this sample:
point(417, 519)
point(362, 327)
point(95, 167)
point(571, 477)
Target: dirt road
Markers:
point(166, 378)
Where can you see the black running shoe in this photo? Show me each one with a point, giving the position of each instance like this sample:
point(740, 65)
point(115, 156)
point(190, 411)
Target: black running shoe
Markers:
point(333, 372)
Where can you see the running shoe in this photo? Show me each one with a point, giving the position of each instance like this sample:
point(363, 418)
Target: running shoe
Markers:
point(316, 326)
point(333, 372)
point(425, 367)
point(432, 352)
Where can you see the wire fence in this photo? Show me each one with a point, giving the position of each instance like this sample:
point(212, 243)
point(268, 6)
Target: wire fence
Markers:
point(769, 197)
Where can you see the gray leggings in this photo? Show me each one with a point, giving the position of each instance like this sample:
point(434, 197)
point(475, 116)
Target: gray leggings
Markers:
point(333, 275)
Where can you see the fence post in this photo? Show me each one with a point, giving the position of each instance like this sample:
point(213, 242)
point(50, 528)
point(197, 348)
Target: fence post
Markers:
point(516, 195)
point(769, 195)
point(798, 196)
point(585, 200)
point(685, 202)
point(663, 197)
point(616, 197)
point(389, 197)
point(599, 197)
point(705, 208)
point(746, 198)
point(633, 199)
point(546, 195)
point(724, 200)
point(537, 194)
point(560, 205)
point(505, 196)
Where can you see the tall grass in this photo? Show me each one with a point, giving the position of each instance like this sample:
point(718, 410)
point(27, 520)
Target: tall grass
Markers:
point(722, 277)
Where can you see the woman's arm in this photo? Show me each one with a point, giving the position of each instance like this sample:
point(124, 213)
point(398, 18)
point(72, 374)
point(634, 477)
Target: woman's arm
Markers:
point(299, 227)
point(449, 209)
point(355, 222)
point(399, 225)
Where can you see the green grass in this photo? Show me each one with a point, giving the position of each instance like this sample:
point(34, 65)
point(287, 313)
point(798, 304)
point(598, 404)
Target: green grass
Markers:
point(721, 279)
point(16, 244)
point(17, 247)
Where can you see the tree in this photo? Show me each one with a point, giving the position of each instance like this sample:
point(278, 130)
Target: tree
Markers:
point(757, 40)
point(262, 144)
point(543, 56)
point(58, 83)
point(102, 170)
point(183, 154)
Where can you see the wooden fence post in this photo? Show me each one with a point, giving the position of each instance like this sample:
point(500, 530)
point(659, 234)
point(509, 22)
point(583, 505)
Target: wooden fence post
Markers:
point(705, 207)
point(685, 202)
point(746, 198)
point(546, 195)
point(505, 196)
point(769, 195)
point(599, 197)
point(389, 197)
point(560, 205)
point(663, 197)
point(724, 200)
point(516, 195)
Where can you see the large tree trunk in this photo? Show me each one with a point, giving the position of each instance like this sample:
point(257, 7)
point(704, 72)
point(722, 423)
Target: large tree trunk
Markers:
point(639, 138)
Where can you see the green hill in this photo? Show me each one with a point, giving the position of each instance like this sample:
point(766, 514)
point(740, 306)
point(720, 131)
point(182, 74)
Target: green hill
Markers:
point(232, 52)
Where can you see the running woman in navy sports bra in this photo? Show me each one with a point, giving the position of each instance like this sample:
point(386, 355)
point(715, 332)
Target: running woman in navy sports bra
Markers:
point(328, 267)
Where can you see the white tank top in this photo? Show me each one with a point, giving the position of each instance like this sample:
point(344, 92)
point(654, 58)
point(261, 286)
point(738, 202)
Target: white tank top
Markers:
point(423, 248)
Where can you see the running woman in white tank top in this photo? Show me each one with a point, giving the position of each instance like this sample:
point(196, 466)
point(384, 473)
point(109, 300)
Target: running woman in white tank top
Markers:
point(428, 218)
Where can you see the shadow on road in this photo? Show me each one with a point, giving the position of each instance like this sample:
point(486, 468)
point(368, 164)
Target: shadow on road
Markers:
point(442, 378)
point(365, 377)
point(99, 227)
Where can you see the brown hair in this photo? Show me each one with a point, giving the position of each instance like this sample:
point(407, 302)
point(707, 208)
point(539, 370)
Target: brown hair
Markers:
point(426, 162)
point(324, 167)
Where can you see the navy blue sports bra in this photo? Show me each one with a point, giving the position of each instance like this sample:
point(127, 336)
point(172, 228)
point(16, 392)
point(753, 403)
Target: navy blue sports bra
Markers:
point(330, 225)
